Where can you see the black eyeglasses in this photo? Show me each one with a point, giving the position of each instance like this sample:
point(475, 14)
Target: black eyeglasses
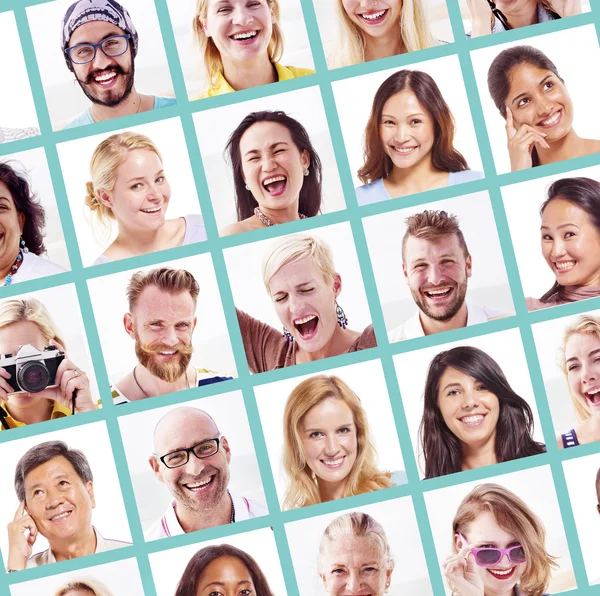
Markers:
point(82, 53)
point(178, 458)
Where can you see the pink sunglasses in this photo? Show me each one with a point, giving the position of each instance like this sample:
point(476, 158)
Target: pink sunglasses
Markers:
point(488, 557)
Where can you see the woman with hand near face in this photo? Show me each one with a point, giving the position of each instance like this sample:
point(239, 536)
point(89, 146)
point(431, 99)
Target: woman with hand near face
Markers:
point(328, 451)
point(234, 571)
point(409, 141)
point(129, 185)
point(369, 30)
point(276, 172)
point(300, 277)
point(27, 322)
point(355, 556)
point(499, 546)
point(241, 42)
point(533, 99)
point(570, 238)
point(471, 415)
point(580, 362)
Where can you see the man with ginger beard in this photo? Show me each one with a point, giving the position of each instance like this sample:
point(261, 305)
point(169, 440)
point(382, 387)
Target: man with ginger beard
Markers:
point(191, 458)
point(161, 320)
point(100, 43)
point(437, 266)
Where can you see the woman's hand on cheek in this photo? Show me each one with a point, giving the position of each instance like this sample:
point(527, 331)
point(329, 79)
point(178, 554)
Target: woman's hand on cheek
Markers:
point(521, 142)
point(481, 17)
point(461, 570)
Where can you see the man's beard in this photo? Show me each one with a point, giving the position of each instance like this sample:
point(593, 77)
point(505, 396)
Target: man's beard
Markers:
point(206, 502)
point(166, 371)
point(460, 292)
point(112, 99)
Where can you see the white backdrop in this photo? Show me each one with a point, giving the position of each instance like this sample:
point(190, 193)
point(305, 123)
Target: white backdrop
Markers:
point(367, 380)
point(16, 106)
point(522, 204)
point(121, 577)
point(64, 97)
point(213, 128)
point(75, 157)
point(355, 114)
point(244, 268)
point(436, 11)
point(296, 46)
point(168, 566)
point(536, 488)
point(488, 285)
point(229, 413)
point(212, 348)
point(580, 475)
point(397, 516)
point(63, 306)
point(109, 516)
point(34, 164)
point(564, 48)
point(548, 338)
point(505, 347)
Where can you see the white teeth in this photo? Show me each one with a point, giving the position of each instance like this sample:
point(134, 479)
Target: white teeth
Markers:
point(274, 179)
point(106, 77)
point(472, 419)
point(199, 484)
point(554, 118)
point(248, 35)
point(404, 149)
point(438, 292)
point(60, 516)
point(564, 266)
point(373, 16)
point(304, 320)
point(498, 572)
point(593, 391)
point(156, 210)
point(168, 353)
point(333, 462)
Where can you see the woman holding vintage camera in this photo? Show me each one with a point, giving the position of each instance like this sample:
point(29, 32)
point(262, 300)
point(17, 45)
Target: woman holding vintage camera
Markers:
point(28, 323)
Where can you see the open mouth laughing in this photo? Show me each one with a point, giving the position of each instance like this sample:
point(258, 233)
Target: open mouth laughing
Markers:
point(333, 464)
point(200, 486)
point(473, 420)
point(104, 78)
point(307, 326)
point(564, 266)
point(440, 294)
point(502, 573)
point(244, 37)
point(593, 396)
point(372, 17)
point(275, 185)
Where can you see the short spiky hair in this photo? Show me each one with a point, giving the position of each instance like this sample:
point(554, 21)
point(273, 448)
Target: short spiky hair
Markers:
point(432, 225)
point(169, 280)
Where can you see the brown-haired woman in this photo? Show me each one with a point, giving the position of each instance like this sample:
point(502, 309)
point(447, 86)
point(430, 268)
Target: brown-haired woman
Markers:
point(409, 141)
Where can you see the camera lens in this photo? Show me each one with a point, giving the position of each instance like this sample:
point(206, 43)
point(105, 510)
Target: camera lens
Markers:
point(33, 376)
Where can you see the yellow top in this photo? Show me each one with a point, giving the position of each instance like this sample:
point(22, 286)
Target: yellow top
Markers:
point(58, 411)
point(284, 73)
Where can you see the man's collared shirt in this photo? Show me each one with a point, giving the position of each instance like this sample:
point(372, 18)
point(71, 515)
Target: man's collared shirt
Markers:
point(86, 117)
point(102, 545)
point(169, 525)
point(58, 411)
point(412, 328)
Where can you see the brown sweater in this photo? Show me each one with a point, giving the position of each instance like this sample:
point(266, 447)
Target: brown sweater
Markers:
point(266, 348)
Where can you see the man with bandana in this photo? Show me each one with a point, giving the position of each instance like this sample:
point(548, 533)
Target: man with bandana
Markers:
point(161, 320)
point(100, 44)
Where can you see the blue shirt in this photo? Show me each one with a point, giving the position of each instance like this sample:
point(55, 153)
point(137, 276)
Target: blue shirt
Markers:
point(86, 117)
point(375, 192)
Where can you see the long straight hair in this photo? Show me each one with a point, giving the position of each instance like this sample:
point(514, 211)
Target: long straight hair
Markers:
point(444, 156)
point(442, 449)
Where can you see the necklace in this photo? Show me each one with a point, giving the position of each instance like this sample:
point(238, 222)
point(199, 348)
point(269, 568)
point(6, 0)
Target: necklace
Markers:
point(265, 220)
point(232, 518)
point(146, 395)
point(14, 268)
point(96, 119)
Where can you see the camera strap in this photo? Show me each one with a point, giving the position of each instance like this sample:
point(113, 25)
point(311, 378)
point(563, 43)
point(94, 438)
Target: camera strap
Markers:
point(499, 15)
point(3, 416)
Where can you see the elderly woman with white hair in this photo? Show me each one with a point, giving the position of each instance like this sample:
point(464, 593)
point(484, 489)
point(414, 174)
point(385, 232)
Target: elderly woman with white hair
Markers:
point(300, 277)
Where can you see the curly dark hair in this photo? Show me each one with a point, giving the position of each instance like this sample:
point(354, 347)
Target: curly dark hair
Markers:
point(27, 203)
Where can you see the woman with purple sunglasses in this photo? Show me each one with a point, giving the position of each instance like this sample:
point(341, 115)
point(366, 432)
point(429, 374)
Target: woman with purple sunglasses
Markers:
point(499, 546)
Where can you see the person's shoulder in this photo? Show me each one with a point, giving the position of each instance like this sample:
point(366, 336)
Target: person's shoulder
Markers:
point(256, 508)
point(373, 192)
point(195, 230)
point(40, 266)
point(464, 176)
point(397, 334)
point(294, 72)
point(208, 377)
point(37, 560)
point(118, 397)
point(112, 544)
point(365, 340)
point(81, 120)
point(398, 477)
point(164, 102)
point(101, 260)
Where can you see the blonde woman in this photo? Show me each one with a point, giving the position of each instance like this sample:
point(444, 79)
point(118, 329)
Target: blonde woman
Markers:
point(498, 546)
point(241, 43)
point(28, 323)
point(300, 277)
point(84, 587)
point(379, 29)
point(355, 554)
point(328, 452)
point(581, 366)
point(129, 186)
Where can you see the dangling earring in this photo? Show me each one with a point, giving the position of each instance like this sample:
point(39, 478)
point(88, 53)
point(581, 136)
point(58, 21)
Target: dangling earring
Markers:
point(289, 338)
point(23, 247)
point(306, 172)
point(341, 316)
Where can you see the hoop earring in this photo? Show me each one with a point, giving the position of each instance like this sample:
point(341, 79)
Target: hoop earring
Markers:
point(289, 338)
point(341, 316)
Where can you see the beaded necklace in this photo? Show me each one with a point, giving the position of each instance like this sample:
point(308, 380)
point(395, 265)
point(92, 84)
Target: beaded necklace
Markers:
point(265, 220)
point(15, 266)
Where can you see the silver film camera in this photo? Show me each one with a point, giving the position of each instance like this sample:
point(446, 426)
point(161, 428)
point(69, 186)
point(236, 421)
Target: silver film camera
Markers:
point(30, 369)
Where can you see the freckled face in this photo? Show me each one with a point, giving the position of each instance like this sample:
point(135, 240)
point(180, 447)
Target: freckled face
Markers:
point(375, 18)
point(539, 98)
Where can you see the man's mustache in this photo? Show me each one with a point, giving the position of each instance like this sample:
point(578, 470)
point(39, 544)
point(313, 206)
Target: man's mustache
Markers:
point(116, 69)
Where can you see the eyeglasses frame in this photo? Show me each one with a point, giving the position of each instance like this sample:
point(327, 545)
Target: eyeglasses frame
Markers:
point(189, 450)
point(68, 51)
point(502, 551)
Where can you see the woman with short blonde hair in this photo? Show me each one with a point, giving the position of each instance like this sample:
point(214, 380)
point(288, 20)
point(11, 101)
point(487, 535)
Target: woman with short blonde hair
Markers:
point(87, 586)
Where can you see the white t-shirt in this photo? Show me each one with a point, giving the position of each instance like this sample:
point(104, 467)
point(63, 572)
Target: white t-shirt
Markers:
point(168, 524)
point(412, 328)
point(34, 267)
point(194, 232)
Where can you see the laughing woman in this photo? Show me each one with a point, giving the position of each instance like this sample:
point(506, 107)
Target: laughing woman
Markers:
point(471, 415)
point(409, 141)
point(241, 42)
point(368, 31)
point(129, 185)
point(533, 99)
point(301, 280)
point(276, 172)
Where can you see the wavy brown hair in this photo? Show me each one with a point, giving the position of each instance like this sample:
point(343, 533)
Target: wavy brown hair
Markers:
point(444, 156)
